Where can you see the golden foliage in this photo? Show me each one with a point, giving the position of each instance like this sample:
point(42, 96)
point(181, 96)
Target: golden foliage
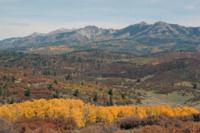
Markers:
point(83, 113)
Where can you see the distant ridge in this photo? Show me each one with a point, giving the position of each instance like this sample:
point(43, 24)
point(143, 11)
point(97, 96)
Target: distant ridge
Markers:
point(159, 34)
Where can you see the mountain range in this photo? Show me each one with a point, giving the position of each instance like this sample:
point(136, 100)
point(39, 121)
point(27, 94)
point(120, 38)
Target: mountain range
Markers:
point(139, 39)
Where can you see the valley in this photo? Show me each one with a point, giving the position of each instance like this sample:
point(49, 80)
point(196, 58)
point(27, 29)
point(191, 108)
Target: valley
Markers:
point(148, 69)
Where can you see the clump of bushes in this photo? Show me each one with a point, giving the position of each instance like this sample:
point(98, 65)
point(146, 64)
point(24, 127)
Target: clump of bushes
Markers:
point(83, 113)
point(161, 120)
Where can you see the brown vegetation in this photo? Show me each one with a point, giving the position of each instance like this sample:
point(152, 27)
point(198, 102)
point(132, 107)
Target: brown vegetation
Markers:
point(151, 124)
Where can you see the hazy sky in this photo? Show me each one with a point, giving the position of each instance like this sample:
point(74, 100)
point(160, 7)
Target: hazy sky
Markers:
point(22, 17)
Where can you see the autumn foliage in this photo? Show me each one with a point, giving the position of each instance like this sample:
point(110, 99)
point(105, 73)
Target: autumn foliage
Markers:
point(83, 113)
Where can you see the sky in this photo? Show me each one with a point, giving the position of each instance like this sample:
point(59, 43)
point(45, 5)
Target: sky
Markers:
point(23, 17)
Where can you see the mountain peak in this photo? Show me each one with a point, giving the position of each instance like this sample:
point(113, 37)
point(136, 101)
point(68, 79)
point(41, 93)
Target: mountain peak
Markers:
point(142, 23)
point(91, 27)
point(61, 30)
point(35, 34)
point(161, 23)
point(94, 32)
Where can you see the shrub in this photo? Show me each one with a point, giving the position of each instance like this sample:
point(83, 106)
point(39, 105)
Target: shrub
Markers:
point(27, 92)
point(83, 113)
point(76, 93)
point(5, 127)
point(50, 86)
